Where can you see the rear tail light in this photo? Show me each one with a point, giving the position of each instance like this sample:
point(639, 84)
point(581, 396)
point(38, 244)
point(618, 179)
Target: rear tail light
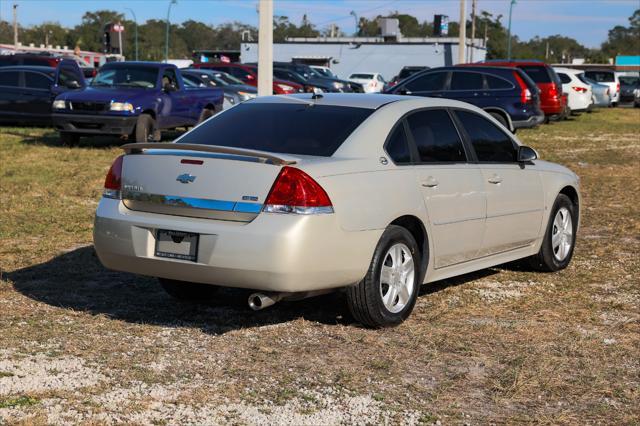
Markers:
point(579, 89)
point(618, 87)
point(113, 181)
point(296, 192)
point(525, 93)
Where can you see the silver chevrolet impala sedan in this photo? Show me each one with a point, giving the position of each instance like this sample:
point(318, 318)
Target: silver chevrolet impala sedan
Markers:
point(375, 195)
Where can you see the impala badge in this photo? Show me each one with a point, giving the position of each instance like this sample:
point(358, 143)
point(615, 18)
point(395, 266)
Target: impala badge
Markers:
point(185, 178)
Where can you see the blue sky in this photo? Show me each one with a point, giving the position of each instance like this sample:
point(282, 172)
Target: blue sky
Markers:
point(585, 20)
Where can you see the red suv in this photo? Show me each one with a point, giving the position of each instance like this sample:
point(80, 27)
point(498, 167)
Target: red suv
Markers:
point(552, 102)
point(248, 74)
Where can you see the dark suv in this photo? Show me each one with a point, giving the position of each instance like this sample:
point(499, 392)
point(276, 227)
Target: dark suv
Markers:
point(508, 94)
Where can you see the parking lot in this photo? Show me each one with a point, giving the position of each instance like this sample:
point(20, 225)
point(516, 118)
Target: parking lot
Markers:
point(79, 343)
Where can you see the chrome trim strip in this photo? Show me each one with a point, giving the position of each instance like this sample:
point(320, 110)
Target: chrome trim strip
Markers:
point(514, 213)
point(194, 203)
point(466, 219)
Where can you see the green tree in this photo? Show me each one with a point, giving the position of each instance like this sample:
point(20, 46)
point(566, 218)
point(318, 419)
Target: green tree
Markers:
point(624, 40)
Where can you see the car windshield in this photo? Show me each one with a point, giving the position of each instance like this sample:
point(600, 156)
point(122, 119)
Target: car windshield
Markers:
point(538, 73)
point(134, 76)
point(362, 76)
point(288, 128)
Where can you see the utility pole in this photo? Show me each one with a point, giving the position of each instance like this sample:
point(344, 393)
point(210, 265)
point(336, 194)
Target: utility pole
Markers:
point(136, 30)
point(353, 13)
point(265, 48)
point(546, 52)
point(473, 29)
point(166, 38)
point(120, 38)
point(15, 26)
point(462, 33)
point(509, 31)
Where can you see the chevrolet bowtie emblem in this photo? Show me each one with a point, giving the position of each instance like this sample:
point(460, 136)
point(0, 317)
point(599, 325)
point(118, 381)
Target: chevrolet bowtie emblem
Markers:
point(186, 178)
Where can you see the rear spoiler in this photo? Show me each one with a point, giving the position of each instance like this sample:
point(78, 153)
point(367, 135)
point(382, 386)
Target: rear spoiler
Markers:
point(133, 148)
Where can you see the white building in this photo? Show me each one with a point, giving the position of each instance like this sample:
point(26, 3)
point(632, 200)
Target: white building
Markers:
point(385, 55)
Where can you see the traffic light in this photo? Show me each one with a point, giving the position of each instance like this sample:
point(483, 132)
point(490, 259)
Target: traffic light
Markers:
point(106, 38)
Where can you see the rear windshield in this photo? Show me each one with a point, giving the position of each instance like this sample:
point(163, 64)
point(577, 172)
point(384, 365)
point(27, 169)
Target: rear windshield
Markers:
point(406, 72)
point(362, 76)
point(285, 128)
point(538, 73)
point(601, 76)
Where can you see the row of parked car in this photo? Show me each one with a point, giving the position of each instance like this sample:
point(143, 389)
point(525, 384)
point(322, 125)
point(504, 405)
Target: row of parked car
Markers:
point(138, 100)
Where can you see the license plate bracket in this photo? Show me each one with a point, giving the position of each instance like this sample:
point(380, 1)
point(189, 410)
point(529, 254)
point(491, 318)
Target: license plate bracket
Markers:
point(177, 245)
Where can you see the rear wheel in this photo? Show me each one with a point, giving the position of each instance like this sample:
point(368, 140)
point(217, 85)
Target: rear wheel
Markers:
point(188, 291)
point(559, 239)
point(69, 139)
point(500, 119)
point(387, 294)
point(205, 114)
point(145, 128)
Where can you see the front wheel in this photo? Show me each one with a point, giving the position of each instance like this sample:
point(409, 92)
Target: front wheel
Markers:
point(145, 128)
point(69, 139)
point(387, 294)
point(560, 237)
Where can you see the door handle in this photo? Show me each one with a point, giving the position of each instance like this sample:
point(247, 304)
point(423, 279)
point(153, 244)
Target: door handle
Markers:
point(495, 179)
point(430, 182)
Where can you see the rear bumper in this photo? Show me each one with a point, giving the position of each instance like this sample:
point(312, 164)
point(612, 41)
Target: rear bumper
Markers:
point(274, 252)
point(90, 124)
point(552, 108)
point(532, 121)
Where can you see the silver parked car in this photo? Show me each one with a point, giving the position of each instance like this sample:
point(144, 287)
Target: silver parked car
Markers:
point(600, 92)
point(297, 195)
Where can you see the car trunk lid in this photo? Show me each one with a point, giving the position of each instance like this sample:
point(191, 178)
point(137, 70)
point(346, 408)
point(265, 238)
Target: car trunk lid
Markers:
point(198, 180)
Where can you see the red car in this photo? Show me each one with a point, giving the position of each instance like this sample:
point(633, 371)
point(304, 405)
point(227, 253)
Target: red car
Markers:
point(552, 102)
point(248, 74)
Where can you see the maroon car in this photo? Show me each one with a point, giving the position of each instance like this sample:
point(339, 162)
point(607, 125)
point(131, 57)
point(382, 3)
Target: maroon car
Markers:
point(249, 75)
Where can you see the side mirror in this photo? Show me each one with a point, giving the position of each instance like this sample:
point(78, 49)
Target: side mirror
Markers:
point(526, 154)
point(73, 84)
point(404, 91)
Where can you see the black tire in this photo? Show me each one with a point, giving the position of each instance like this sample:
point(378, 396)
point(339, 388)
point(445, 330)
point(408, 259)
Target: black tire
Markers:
point(188, 291)
point(145, 127)
point(205, 114)
point(365, 299)
point(69, 139)
point(546, 259)
point(500, 119)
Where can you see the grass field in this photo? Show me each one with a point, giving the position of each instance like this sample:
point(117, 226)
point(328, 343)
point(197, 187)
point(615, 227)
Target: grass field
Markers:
point(80, 344)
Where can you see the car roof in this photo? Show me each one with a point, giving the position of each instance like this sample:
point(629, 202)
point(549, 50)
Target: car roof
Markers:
point(515, 62)
point(358, 100)
point(568, 70)
point(41, 68)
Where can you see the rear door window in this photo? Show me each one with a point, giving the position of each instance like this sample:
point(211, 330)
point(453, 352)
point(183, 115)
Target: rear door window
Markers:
point(398, 147)
point(288, 128)
point(9, 78)
point(466, 81)
point(36, 80)
point(497, 83)
point(538, 73)
point(436, 137)
point(427, 83)
point(489, 142)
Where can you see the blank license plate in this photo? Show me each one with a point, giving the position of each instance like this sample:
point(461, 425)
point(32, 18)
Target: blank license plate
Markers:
point(177, 245)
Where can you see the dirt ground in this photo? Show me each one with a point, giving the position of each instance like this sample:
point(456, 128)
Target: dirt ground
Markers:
point(81, 344)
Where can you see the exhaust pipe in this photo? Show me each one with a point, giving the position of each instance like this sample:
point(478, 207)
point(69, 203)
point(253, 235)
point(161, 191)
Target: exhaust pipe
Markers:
point(259, 301)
